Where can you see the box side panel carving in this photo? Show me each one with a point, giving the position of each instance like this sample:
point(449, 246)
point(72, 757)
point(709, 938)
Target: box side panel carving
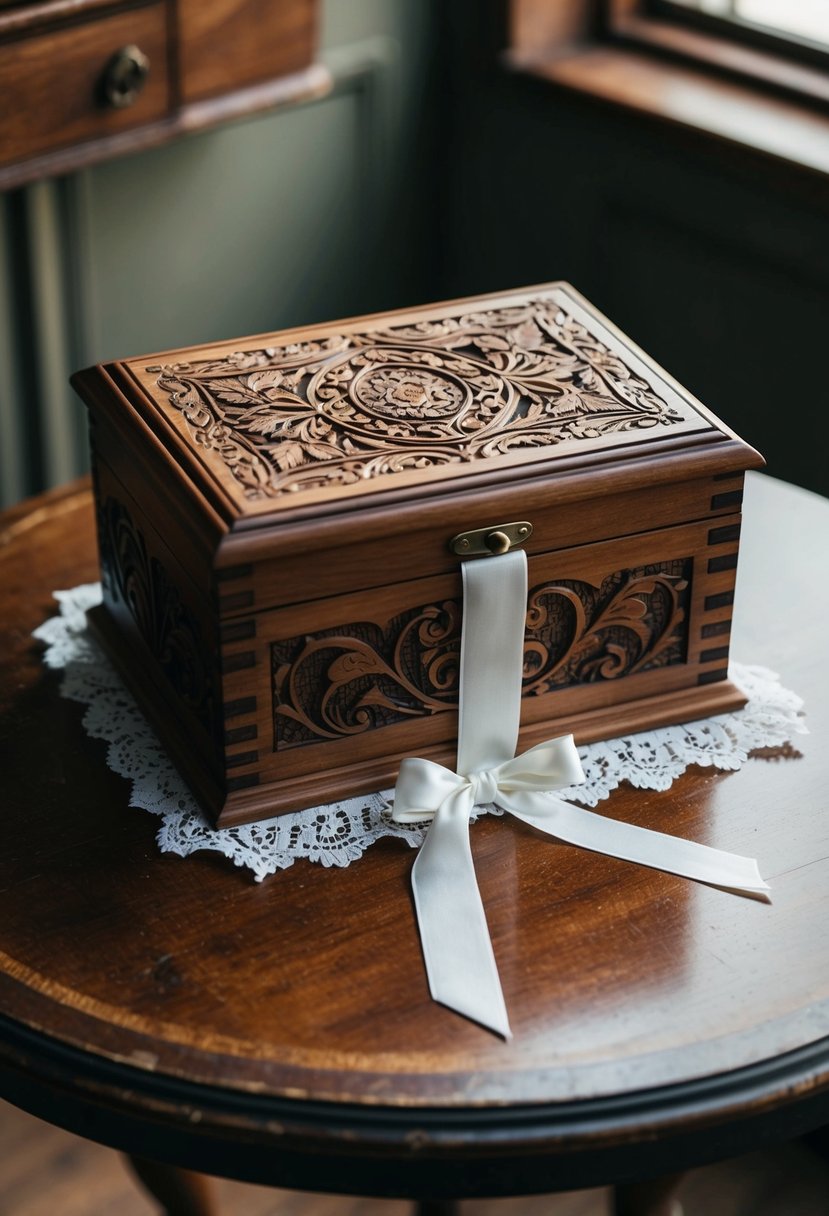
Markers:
point(172, 633)
point(622, 635)
point(164, 640)
point(363, 676)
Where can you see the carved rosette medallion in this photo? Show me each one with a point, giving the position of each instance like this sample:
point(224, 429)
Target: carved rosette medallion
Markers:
point(363, 676)
point(365, 405)
point(408, 395)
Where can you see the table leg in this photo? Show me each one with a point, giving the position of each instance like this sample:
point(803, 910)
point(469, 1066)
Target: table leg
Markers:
point(180, 1192)
point(651, 1198)
point(437, 1207)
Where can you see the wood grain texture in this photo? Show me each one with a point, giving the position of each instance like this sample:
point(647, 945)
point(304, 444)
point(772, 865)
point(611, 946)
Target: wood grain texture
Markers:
point(227, 44)
point(248, 1026)
point(51, 82)
point(209, 63)
point(514, 383)
point(25, 18)
point(312, 82)
point(274, 525)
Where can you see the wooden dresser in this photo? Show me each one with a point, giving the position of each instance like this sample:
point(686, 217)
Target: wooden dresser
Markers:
point(81, 80)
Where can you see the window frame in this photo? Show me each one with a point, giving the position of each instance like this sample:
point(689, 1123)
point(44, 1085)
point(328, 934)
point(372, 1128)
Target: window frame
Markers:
point(741, 32)
point(640, 56)
point(746, 53)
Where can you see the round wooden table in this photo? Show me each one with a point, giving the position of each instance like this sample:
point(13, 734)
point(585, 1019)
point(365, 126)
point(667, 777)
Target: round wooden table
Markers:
point(282, 1032)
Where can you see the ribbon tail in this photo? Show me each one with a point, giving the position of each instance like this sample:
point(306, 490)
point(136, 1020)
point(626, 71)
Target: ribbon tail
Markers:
point(457, 950)
point(600, 834)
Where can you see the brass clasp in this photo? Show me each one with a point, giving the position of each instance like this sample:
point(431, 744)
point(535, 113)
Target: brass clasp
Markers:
point(498, 539)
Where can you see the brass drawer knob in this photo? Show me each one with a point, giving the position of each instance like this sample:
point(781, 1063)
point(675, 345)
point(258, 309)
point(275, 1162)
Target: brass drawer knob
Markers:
point(124, 77)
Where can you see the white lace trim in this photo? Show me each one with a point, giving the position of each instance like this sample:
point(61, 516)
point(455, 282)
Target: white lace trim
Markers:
point(337, 834)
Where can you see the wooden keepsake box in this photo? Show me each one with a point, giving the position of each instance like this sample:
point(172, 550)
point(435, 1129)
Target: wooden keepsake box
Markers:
point(282, 521)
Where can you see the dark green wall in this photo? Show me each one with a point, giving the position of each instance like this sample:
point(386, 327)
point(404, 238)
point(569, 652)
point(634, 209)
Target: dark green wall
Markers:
point(714, 261)
point(315, 211)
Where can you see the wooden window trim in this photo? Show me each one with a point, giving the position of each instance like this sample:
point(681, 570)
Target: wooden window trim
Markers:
point(631, 56)
point(706, 44)
point(784, 47)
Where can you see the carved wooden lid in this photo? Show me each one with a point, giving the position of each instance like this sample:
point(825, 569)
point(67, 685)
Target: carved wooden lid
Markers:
point(508, 383)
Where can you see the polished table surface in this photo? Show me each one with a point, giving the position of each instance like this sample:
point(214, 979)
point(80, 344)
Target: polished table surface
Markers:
point(283, 1031)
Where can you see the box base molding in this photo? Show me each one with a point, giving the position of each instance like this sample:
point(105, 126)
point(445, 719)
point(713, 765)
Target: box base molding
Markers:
point(367, 776)
point(263, 801)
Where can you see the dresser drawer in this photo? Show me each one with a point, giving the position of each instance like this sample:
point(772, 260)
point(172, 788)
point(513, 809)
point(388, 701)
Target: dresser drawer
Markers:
point(52, 81)
point(230, 44)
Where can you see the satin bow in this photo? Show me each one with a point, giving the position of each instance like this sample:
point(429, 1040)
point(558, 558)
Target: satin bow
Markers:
point(424, 788)
point(457, 950)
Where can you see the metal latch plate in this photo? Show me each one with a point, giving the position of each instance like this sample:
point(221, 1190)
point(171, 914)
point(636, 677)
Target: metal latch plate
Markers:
point(499, 538)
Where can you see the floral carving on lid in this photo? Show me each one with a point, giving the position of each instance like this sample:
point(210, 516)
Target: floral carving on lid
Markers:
point(355, 406)
point(409, 394)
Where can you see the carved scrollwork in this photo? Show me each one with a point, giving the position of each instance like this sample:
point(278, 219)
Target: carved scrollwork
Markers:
point(580, 634)
point(130, 574)
point(342, 682)
point(364, 405)
point(363, 676)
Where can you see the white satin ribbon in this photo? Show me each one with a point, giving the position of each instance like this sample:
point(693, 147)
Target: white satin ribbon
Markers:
point(457, 950)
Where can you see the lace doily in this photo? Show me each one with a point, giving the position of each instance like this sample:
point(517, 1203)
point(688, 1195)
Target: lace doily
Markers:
point(337, 834)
